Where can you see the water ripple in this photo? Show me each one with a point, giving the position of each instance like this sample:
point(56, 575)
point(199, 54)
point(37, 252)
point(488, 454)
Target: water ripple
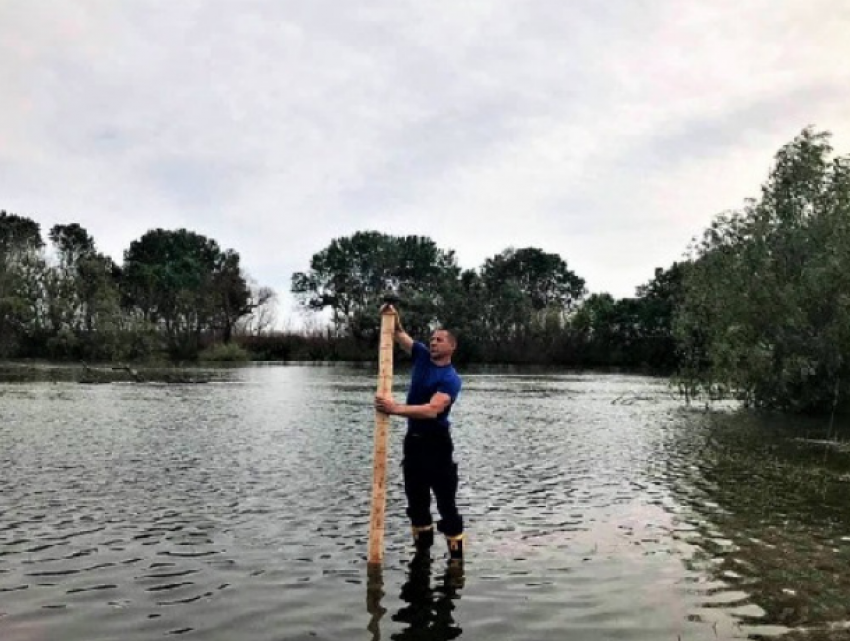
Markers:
point(598, 507)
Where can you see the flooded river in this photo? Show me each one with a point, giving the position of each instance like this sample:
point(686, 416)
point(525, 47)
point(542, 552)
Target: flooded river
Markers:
point(598, 507)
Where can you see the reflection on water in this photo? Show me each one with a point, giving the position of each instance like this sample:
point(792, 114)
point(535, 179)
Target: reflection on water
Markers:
point(374, 595)
point(429, 609)
point(428, 603)
point(768, 510)
point(598, 508)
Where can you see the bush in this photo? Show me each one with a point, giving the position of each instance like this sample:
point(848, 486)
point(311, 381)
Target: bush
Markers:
point(220, 352)
point(765, 311)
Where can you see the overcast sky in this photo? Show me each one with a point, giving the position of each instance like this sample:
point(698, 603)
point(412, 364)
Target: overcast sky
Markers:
point(608, 132)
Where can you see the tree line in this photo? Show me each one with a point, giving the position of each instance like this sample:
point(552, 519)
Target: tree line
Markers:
point(758, 307)
point(764, 310)
point(521, 306)
point(175, 292)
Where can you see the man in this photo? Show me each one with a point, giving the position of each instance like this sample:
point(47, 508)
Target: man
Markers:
point(428, 463)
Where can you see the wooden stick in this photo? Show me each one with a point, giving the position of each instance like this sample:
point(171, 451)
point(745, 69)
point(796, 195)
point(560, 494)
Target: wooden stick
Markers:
point(382, 424)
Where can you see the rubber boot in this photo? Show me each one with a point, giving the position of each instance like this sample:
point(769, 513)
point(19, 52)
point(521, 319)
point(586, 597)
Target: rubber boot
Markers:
point(455, 544)
point(423, 539)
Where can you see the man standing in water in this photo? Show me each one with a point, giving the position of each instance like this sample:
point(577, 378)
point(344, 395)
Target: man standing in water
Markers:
point(428, 462)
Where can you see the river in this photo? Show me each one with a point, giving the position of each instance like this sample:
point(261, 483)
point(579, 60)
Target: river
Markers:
point(598, 507)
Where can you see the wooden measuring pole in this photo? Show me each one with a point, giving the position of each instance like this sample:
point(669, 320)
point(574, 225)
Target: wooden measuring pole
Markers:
point(382, 424)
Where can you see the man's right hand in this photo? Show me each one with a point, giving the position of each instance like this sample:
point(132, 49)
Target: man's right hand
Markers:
point(387, 308)
point(401, 336)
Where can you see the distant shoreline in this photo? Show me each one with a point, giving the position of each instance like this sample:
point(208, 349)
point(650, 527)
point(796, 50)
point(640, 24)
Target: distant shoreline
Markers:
point(35, 371)
point(55, 372)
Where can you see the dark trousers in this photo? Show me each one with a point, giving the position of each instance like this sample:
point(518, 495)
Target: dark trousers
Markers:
point(429, 466)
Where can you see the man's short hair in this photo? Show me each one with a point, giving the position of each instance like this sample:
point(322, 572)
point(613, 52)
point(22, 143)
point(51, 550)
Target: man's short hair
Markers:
point(450, 334)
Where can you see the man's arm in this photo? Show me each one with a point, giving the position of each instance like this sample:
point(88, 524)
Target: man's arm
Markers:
point(403, 338)
point(438, 403)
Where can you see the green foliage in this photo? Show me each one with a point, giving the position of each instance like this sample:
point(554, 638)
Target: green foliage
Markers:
point(174, 288)
point(139, 340)
point(631, 332)
point(597, 323)
point(178, 289)
point(21, 276)
point(224, 352)
point(523, 292)
point(514, 309)
point(18, 235)
point(62, 345)
point(184, 284)
point(72, 242)
point(80, 299)
point(765, 310)
point(305, 346)
point(232, 297)
point(543, 280)
point(353, 273)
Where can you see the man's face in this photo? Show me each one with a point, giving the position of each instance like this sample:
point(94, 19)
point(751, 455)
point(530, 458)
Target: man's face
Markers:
point(441, 344)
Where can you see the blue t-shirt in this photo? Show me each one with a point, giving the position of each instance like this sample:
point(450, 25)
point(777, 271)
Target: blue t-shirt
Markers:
point(426, 380)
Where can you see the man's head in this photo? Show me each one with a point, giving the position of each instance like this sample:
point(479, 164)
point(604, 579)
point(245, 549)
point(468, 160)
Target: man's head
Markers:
point(442, 345)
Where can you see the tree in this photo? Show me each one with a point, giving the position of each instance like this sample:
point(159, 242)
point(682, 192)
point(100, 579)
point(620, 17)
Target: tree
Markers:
point(608, 330)
point(544, 279)
point(64, 282)
point(352, 274)
point(461, 311)
point(232, 292)
point(183, 283)
point(21, 280)
point(82, 297)
point(765, 309)
point(631, 332)
point(262, 316)
point(72, 242)
point(657, 301)
point(660, 296)
point(524, 288)
point(19, 236)
point(596, 314)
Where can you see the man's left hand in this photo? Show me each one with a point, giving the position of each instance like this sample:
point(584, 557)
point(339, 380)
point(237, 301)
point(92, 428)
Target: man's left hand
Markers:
point(386, 405)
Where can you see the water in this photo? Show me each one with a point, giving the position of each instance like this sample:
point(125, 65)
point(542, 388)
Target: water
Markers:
point(598, 507)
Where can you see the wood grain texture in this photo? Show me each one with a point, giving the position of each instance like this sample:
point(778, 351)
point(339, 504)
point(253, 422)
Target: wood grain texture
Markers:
point(382, 424)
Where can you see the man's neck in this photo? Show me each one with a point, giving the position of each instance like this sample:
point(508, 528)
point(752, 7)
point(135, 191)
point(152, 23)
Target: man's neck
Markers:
point(442, 362)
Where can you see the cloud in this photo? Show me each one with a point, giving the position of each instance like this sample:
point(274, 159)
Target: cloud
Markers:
point(607, 133)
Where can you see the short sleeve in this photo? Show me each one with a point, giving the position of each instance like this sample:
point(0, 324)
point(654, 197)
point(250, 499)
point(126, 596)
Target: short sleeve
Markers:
point(450, 385)
point(419, 351)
